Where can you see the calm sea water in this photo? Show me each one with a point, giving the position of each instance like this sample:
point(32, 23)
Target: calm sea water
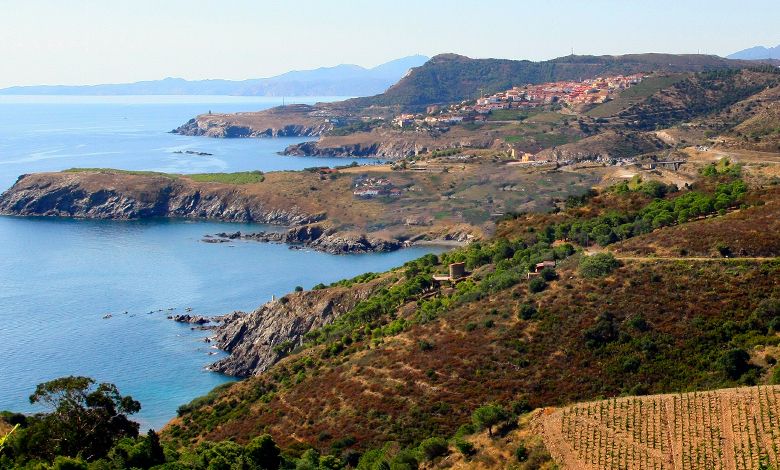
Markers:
point(60, 277)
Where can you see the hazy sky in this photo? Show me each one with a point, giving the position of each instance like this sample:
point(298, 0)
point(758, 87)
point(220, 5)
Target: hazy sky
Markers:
point(107, 41)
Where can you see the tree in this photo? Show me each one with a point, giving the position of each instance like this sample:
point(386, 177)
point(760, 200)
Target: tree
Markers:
point(85, 420)
point(264, 453)
point(485, 417)
point(598, 265)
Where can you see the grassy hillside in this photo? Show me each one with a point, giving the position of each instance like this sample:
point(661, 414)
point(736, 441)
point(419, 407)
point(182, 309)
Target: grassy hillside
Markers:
point(449, 78)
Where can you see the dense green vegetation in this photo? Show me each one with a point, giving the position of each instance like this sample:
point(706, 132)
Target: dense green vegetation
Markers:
point(613, 226)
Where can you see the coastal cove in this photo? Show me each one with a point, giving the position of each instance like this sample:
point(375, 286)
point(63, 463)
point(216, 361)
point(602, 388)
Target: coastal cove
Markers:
point(60, 277)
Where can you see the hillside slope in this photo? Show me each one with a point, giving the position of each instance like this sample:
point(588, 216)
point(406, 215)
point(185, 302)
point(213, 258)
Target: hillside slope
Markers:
point(416, 359)
point(449, 78)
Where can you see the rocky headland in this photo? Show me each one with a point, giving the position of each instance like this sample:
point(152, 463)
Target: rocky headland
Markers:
point(284, 121)
point(317, 237)
point(122, 195)
point(259, 339)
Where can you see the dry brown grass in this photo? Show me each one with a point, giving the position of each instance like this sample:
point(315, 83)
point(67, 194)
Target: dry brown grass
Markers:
point(732, 429)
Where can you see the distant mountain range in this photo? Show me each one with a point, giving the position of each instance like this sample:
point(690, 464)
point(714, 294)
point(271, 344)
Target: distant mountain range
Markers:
point(757, 53)
point(341, 80)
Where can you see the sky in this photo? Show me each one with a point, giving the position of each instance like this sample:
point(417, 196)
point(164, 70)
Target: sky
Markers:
point(106, 41)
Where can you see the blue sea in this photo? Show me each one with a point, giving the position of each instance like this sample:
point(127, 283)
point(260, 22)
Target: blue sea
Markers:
point(59, 278)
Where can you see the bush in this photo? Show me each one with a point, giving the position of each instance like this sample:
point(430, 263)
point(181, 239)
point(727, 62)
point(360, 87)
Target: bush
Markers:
point(464, 447)
point(734, 363)
point(298, 288)
point(537, 284)
point(602, 332)
point(433, 447)
point(521, 406)
point(521, 453)
point(598, 265)
point(548, 274)
point(527, 311)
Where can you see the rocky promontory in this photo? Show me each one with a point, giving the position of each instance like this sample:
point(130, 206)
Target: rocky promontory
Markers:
point(123, 195)
point(284, 121)
point(259, 339)
point(317, 237)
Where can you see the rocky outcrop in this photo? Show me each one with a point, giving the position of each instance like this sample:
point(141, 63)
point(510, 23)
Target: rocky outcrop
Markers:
point(225, 129)
point(107, 195)
point(391, 149)
point(369, 149)
point(284, 121)
point(318, 238)
point(259, 339)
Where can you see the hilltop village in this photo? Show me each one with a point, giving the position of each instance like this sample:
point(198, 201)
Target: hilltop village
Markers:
point(571, 93)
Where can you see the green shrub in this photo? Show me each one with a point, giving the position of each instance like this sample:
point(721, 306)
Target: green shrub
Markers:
point(734, 363)
point(598, 265)
point(521, 453)
point(527, 311)
point(537, 284)
point(433, 447)
point(464, 447)
point(548, 274)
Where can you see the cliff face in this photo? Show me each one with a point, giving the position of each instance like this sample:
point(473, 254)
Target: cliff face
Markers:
point(100, 195)
point(259, 339)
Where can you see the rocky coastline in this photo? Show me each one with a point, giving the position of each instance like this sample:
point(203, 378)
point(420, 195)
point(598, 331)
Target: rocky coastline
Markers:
point(315, 237)
point(224, 129)
point(106, 195)
point(259, 339)
point(297, 120)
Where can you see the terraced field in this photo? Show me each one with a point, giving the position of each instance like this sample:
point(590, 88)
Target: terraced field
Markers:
point(729, 429)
